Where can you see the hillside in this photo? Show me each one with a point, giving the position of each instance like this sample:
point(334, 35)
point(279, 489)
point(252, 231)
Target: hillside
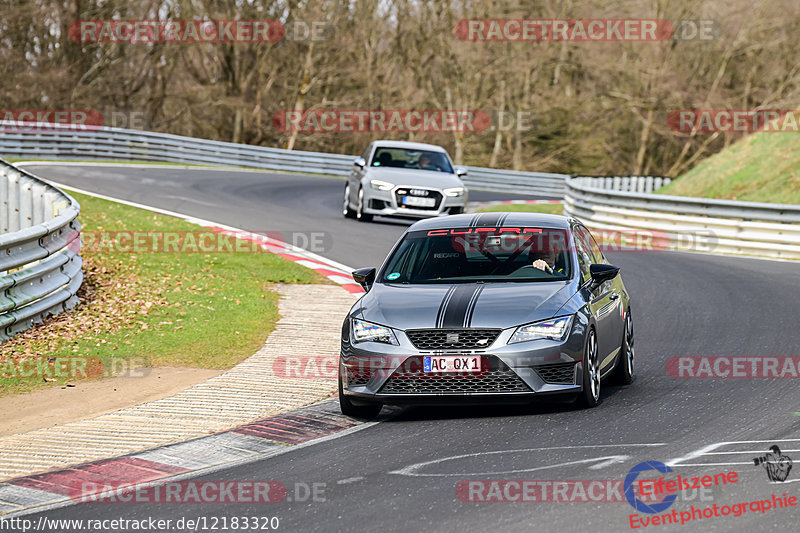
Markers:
point(762, 167)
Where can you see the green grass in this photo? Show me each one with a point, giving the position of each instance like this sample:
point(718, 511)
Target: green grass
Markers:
point(762, 167)
point(206, 310)
point(554, 209)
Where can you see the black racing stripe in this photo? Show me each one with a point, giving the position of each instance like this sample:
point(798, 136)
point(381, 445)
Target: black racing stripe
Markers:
point(472, 304)
point(473, 220)
point(487, 220)
point(456, 310)
point(502, 220)
point(443, 305)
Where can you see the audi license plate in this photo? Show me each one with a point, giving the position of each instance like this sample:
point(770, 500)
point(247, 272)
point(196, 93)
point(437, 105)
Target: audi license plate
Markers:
point(468, 364)
point(419, 202)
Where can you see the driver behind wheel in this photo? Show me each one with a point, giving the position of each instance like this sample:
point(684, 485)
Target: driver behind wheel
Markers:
point(546, 260)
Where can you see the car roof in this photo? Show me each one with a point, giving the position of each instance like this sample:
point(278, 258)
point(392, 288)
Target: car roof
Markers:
point(494, 220)
point(408, 145)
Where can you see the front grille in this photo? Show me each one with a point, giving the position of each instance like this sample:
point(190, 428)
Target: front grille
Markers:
point(437, 339)
point(358, 381)
point(436, 195)
point(500, 378)
point(561, 373)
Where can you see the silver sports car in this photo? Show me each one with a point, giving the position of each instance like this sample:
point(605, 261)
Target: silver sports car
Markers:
point(405, 179)
point(500, 307)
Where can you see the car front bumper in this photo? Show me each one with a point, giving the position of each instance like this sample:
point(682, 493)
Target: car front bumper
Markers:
point(517, 373)
point(385, 203)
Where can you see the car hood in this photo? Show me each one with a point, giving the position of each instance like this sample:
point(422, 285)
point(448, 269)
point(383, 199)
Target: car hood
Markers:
point(414, 178)
point(473, 305)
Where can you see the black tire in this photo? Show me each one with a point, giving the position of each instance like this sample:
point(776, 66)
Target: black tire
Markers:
point(347, 211)
point(361, 216)
point(368, 411)
point(623, 373)
point(590, 395)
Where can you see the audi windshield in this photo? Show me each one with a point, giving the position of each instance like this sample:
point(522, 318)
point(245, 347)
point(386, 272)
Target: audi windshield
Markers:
point(413, 159)
point(467, 255)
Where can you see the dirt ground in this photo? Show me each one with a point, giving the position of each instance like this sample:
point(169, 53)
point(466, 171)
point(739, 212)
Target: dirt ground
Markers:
point(57, 405)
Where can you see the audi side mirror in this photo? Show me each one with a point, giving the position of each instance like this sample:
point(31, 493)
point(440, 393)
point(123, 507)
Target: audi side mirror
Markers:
point(360, 162)
point(365, 277)
point(461, 172)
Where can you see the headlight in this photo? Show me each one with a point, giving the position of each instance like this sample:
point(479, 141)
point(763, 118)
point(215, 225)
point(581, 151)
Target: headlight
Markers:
point(554, 329)
point(381, 185)
point(455, 191)
point(364, 331)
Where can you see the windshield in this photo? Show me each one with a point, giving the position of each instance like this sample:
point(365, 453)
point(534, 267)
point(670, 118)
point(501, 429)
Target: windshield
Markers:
point(463, 255)
point(416, 159)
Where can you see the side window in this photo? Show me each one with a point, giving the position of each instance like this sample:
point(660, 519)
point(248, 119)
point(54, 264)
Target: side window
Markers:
point(592, 244)
point(584, 256)
point(365, 155)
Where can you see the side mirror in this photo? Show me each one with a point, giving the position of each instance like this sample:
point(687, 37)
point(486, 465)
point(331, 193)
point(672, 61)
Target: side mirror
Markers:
point(602, 273)
point(461, 172)
point(360, 162)
point(365, 277)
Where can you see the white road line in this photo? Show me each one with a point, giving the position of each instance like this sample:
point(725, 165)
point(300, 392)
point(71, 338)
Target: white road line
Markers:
point(712, 464)
point(615, 459)
point(746, 451)
point(707, 449)
point(693, 455)
point(610, 459)
point(412, 470)
point(350, 480)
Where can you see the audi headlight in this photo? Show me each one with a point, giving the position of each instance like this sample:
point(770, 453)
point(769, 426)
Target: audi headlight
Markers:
point(364, 331)
point(381, 185)
point(555, 329)
point(454, 192)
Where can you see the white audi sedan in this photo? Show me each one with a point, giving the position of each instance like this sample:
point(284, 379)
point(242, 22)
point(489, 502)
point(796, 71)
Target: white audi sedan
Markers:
point(404, 179)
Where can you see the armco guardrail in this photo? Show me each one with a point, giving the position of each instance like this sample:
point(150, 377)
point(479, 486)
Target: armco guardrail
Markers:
point(696, 224)
point(645, 184)
point(533, 183)
point(40, 262)
point(57, 141)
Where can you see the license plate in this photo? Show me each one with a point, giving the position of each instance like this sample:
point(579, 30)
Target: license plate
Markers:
point(466, 364)
point(419, 202)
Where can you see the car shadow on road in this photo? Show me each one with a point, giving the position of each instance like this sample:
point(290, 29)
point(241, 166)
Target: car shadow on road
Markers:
point(537, 408)
point(388, 221)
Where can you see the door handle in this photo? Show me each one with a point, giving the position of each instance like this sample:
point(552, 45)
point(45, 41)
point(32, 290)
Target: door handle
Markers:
point(614, 296)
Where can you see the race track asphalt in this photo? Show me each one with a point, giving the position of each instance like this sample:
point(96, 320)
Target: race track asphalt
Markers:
point(683, 304)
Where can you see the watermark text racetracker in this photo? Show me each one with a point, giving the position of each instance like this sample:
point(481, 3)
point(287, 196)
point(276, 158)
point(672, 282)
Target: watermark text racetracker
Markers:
point(382, 120)
point(562, 491)
point(192, 242)
point(197, 492)
point(198, 31)
point(733, 367)
point(510, 239)
point(37, 120)
point(586, 30)
point(692, 121)
point(73, 367)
